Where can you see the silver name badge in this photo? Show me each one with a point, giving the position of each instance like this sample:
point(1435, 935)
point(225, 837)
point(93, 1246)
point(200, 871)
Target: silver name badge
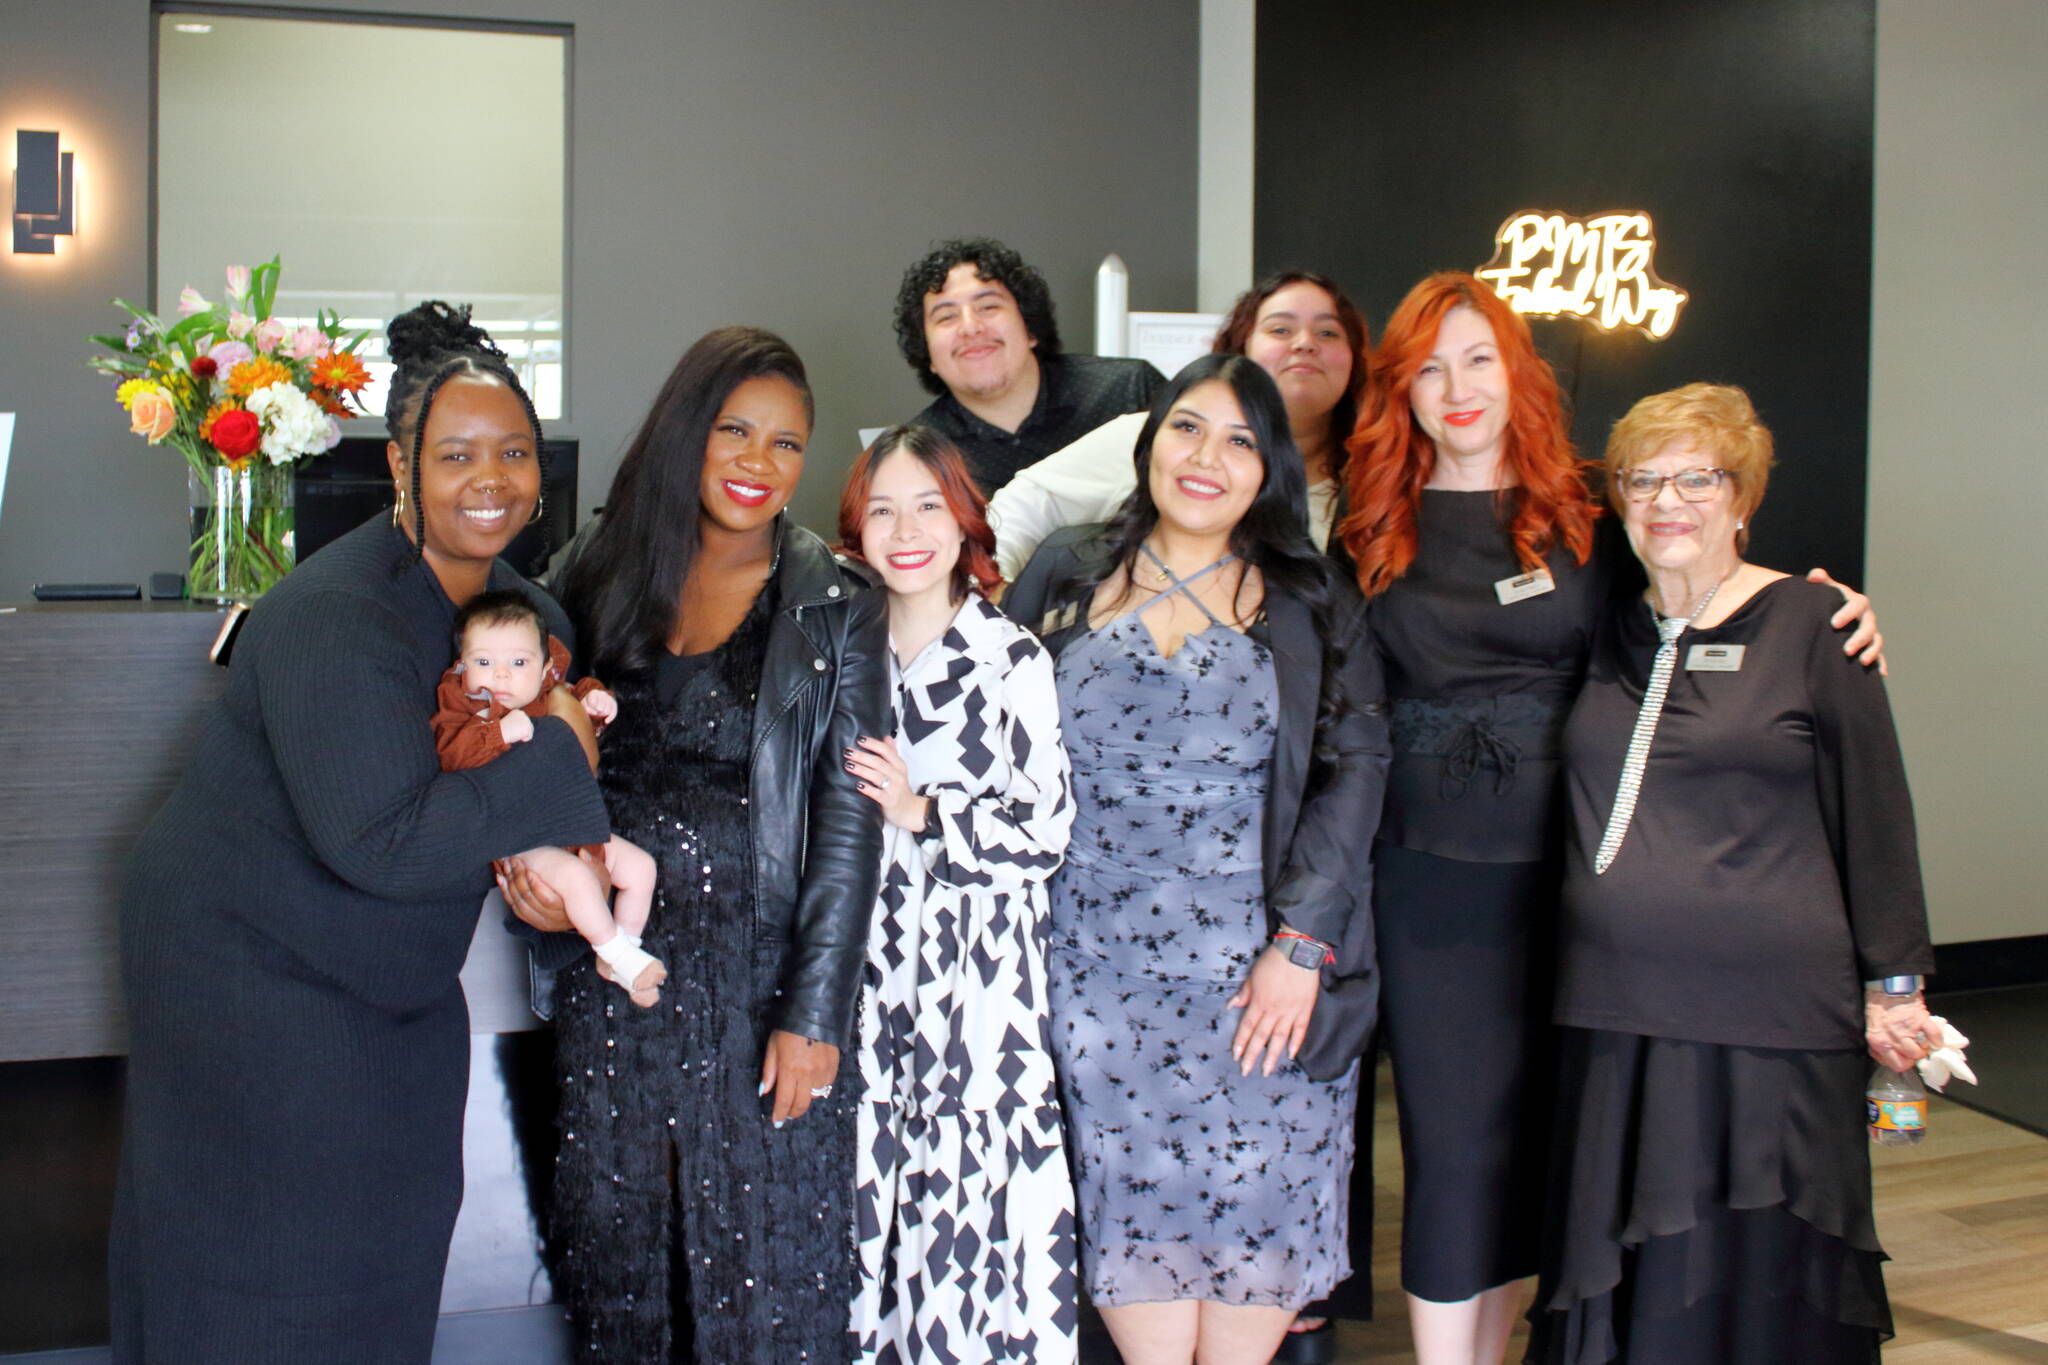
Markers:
point(1714, 658)
point(1512, 590)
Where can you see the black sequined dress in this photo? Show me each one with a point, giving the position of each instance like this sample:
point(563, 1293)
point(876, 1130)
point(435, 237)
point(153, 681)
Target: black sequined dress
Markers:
point(687, 1227)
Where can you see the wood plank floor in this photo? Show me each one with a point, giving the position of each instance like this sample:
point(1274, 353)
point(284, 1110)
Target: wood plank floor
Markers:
point(1964, 1216)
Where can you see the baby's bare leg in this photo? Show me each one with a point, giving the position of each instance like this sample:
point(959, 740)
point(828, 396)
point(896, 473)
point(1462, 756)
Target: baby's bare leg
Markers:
point(633, 874)
point(636, 971)
point(578, 888)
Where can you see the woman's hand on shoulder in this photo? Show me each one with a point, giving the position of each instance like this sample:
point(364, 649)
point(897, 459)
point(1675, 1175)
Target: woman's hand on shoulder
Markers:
point(1865, 642)
point(1277, 1001)
point(885, 780)
point(797, 1070)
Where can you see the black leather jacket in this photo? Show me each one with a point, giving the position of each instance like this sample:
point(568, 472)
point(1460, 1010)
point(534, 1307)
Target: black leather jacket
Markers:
point(1319, 818)
point(817, 840)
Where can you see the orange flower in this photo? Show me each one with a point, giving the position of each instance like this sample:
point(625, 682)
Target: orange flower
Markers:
point(212, 415)
point(340, 371)
point(330, 403)
point(255, 373)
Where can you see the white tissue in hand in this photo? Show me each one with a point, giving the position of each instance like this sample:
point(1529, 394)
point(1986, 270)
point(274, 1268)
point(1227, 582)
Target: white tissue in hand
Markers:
point(1946, 1059)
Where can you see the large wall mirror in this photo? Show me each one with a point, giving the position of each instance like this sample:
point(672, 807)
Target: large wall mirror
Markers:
point(386, 162)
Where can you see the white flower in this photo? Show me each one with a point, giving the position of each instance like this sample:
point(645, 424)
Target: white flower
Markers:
point(293, 424)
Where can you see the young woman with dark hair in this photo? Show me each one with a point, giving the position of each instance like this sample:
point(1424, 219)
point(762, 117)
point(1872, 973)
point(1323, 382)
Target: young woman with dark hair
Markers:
point(703, 1194)
point(1475, 541)
point(1211, 979)
point(966, 1208)
point(297, 913)
point(1301, 329)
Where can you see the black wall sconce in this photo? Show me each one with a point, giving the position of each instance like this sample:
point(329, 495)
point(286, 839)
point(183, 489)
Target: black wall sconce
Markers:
point(43, 202)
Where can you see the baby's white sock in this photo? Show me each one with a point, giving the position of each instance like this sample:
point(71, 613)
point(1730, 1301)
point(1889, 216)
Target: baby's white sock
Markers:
point(623, 954)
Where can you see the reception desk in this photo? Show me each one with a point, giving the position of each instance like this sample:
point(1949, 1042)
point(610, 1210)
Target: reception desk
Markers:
point(105, 703)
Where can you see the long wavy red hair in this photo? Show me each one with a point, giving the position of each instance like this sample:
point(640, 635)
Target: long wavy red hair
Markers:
point(1392, 457)
point(976, 567)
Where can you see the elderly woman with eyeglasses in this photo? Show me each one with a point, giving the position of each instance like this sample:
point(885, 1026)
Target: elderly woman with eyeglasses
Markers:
point(1742, 922)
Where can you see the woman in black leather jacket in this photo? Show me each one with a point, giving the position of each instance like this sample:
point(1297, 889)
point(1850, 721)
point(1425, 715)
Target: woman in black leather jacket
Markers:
point(703, 1191)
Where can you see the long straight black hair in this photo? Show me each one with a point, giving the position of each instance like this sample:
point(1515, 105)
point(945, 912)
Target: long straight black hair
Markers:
point(1272, 535)
point(623, 587)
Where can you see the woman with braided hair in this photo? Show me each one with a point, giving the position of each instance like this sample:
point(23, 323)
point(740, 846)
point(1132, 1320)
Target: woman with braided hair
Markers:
point(297, 913)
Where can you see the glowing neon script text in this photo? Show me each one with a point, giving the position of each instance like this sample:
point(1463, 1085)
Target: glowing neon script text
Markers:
point(1595, 268)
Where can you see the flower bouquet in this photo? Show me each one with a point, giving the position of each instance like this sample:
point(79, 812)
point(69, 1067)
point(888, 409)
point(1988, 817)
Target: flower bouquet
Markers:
point(241, 395)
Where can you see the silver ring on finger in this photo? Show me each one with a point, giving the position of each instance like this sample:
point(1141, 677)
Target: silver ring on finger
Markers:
point(822, 1092)
point(883, 785)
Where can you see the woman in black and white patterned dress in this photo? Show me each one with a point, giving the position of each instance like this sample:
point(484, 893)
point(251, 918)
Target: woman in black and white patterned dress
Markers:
point(964, 1201)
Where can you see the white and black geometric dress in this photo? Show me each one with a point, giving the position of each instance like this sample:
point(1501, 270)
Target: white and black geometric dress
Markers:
point(966, 1206)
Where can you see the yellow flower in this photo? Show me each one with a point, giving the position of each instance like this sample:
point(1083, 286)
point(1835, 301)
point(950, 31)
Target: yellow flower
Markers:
point(256, 373)
point(125, 395)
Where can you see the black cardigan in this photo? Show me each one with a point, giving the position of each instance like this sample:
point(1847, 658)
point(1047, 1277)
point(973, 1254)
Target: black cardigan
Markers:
point(293, 924)
point(1319, 817)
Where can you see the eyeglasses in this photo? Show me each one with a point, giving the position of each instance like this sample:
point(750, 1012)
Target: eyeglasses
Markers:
point(1693, 485)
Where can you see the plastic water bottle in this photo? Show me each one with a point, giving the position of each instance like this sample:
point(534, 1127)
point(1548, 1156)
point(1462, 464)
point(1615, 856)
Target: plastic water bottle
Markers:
point(1896, 1104)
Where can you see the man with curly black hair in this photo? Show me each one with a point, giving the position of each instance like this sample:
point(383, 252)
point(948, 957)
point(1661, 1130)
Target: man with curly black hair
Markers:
point(976, 323)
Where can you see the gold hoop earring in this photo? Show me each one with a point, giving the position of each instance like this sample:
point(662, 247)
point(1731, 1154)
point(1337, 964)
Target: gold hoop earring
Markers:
point(398, 506)
point(540, 507)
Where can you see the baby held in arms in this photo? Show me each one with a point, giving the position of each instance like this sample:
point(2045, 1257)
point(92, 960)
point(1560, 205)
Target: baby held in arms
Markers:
point(488, 701)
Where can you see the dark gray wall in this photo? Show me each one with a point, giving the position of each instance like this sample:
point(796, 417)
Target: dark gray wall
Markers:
point(775, 162)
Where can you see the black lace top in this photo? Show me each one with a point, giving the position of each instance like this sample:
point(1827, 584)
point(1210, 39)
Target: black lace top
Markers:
point(1478, 689)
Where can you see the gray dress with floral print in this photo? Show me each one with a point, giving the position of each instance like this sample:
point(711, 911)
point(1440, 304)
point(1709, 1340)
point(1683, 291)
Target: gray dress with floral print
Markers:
point(1194, 1182)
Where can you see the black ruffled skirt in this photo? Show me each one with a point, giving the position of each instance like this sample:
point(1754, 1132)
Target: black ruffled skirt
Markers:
point(1708, 1204)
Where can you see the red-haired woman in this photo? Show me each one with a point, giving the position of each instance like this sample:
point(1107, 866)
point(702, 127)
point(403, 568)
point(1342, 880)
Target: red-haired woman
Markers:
point(1475, 540)
point(965, 1206)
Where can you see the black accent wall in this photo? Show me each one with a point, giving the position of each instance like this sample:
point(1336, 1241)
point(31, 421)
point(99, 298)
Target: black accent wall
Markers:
point(1393, 140)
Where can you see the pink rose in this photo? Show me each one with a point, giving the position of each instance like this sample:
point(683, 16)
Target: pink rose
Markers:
point(152, 415)
point(239, 325)
point(238, 281)
point(333, 435)
point(229, 354)
point(306, 343)
point(268, 333)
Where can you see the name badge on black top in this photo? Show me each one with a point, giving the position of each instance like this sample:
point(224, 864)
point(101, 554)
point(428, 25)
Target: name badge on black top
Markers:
point(1714, 658)
point(1512, 590)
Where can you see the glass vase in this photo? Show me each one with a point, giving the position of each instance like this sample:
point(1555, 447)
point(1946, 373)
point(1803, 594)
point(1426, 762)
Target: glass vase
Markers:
point(241, 530)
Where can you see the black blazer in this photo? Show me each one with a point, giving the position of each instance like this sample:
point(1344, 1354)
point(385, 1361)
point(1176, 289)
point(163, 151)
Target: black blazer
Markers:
point(817, 840)
point(1319, 825)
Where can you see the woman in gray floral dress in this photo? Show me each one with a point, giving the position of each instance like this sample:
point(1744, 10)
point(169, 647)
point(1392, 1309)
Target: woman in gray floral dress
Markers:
point(1211, 973)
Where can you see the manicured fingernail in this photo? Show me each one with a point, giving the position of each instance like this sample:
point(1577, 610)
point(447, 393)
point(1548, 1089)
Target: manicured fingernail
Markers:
point(763, 1090)
point(778, 1123)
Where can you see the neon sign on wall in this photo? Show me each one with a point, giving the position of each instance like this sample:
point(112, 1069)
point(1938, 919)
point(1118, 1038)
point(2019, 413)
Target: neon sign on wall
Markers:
point(1598, 269)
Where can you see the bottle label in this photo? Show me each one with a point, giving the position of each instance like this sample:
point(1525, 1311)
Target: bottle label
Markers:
point(1897, 1116)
